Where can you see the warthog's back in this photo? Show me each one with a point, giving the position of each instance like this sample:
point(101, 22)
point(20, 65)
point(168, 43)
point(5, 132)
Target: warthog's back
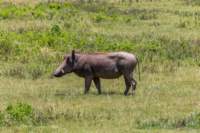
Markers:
point(124, 59)
point(123, 55)
point(104, 58)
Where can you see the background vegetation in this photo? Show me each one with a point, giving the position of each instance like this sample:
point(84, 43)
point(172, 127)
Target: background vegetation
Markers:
point(34, 36)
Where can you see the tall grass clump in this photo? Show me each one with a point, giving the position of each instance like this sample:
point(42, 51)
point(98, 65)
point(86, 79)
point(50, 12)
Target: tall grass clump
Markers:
point(191, 121)
point(193, 2)
point(6, 47)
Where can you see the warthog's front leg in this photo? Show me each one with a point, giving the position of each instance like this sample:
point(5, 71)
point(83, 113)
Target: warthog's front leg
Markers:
point(97, 84)
point(88, 81)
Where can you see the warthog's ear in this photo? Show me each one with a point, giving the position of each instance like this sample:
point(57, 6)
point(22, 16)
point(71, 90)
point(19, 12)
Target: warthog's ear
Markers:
point(73, 55)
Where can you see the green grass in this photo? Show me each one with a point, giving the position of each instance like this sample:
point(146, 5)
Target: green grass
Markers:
point(35, 35)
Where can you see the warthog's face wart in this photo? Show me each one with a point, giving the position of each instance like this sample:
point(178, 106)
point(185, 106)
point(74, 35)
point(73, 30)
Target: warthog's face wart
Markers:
point(66, 66)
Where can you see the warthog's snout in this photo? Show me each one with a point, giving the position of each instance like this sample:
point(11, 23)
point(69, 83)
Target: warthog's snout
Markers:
point(57, 74)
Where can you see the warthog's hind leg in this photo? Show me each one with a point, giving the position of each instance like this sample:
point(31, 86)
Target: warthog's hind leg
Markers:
point(97, 84)
point(130, 82)
point(127, 83)
point(133, 85)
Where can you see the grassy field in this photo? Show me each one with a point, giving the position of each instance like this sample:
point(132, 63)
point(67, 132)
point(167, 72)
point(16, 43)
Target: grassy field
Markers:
point(164, 34)
point(163, 103)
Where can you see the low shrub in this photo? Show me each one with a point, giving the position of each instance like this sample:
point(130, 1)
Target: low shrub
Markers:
point(20, 111)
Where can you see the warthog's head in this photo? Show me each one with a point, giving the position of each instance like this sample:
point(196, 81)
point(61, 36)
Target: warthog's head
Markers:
point(67, 65)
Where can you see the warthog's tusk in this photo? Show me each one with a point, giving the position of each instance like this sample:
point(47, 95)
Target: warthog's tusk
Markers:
point(62, 71)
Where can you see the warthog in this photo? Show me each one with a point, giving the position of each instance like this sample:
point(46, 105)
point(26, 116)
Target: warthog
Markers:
point(100, 65)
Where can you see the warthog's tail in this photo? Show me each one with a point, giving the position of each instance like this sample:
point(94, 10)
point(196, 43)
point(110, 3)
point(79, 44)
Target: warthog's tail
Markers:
point(138, 64)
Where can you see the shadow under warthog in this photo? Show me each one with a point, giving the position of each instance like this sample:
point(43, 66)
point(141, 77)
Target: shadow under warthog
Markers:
point(62, 94)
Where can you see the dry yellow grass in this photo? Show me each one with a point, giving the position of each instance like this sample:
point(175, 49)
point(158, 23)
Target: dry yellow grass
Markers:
point(24, 25)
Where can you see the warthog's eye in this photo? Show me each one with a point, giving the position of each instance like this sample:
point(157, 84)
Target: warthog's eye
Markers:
point(68, 61)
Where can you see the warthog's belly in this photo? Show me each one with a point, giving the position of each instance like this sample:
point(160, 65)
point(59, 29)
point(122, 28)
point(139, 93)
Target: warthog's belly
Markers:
point(116, 75)
point(108, 73)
